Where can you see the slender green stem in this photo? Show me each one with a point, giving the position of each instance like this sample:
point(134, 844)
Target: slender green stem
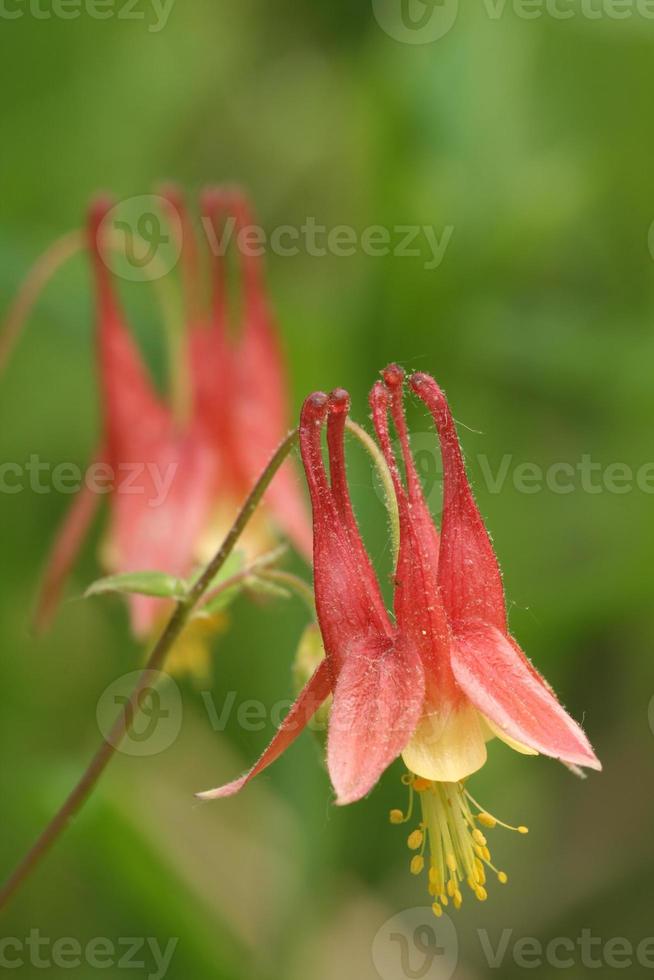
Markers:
point(386, 480)
point(156, 661)
point(247, 510)
point(255, 569)
point(39, 275)
point(294, 582)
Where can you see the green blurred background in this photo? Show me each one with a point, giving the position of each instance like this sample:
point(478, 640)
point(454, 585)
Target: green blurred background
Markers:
point(528, 137)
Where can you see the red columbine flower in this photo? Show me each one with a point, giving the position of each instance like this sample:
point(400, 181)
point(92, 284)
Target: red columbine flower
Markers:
point(480, 684)
point(444, 677)
point(178, 480)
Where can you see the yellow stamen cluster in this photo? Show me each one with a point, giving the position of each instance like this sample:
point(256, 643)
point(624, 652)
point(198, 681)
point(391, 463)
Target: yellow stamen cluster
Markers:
point(457, 849)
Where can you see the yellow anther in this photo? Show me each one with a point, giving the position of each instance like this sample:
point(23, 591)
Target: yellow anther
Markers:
point(449, 834)
point(417, 864)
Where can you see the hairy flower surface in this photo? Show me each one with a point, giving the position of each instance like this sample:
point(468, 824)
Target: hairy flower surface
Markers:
point(207, 458)
point(442, 677)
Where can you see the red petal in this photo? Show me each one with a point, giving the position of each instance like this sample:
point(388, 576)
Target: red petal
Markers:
point(162, 478)
point(379, 691)
point(209, 351)
point(420, 514)
point(418, 608)
point(339, 404)
point(157, 520)
point(469, 576)
point(310, 699)
point(259, 385)
point(212, 356)
point(135, 418)
point(504, 686)
point(261, 394)
point(348, 600)
point(378, 701)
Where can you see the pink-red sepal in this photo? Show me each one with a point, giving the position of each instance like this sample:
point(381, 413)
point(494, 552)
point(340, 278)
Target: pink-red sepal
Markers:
point(162, 475)
point(310, 699)
point(378, 700)
point(499, 680)
point(468, 573)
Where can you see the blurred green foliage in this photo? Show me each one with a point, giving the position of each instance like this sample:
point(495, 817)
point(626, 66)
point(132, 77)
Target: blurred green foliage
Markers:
point(530, 139)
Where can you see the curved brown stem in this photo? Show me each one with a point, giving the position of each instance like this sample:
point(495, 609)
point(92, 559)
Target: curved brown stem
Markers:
point(156, 661)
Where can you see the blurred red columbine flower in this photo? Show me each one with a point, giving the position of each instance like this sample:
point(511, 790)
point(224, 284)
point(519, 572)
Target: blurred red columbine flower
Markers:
point(445, 676)
point(178, 478)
